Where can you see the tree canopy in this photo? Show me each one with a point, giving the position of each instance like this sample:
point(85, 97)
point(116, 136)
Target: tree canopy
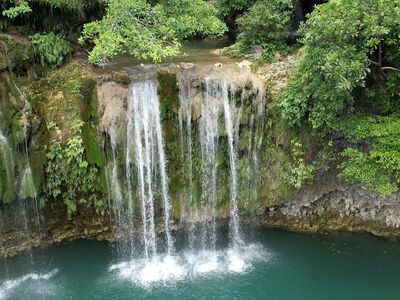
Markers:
point(149, 31)
point(347, 44)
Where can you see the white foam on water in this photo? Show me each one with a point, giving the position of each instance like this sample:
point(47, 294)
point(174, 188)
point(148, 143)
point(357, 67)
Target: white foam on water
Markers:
point(7, 287)
point(148, 271)
point(168, 269)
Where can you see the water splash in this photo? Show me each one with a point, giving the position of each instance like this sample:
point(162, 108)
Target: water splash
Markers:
point(168, 269)
point(8, 287)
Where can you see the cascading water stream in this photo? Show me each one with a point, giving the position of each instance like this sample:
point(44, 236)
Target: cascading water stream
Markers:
point(116, 192)
point(185, 126)
point(209, 134)
point(145, 151)
point(150, 156)
point(8, 159)
point(20, 210)
point(8, 165)
point(230, 116)
point(27, 181)
point(215, 98)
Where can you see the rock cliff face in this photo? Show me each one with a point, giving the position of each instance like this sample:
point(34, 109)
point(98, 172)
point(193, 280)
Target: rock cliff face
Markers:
point(333, 205)
point(262, 151)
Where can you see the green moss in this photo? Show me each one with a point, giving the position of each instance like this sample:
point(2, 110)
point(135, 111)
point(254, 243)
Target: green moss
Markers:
point(17, 132)
point(176, 208)
point(169, 94)
point(122, 77)
point(94, 153)
point(102, 181)
point(10, 102)
point(87, 91)
point(7, 189)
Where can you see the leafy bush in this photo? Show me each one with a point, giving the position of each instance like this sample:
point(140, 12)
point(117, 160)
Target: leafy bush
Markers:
point(267, 24)
point(348, 45)
point(298, 171)
point(20, 8)
point(377, 164)
point(50, 48)
point(68, 175)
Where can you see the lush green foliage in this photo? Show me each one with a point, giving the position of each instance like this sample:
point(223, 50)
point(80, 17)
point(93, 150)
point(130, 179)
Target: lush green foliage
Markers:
point(267, 24)
point(50, 48)
point(375, 157)
point(348, 45)
point(20, 8)
point(149, 31)
point(298, 171)
point(69, 176)
point(226, 7)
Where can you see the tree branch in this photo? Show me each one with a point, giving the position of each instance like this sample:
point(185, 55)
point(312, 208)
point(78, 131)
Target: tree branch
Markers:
point(374, 63)
point(383, 68)
point(390, 69)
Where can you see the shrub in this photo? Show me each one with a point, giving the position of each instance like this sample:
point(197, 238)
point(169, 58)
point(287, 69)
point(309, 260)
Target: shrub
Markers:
point(50, 48)
point(267, 24)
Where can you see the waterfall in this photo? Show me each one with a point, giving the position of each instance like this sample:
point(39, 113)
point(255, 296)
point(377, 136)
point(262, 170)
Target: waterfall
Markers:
point(145, 161)
point(185, 126)
point(8, 160)
point(144, 108)
point(20, 209)
point(116, 192)
point(209, 135)
point(230, 116)
point(216, 102)
point(27, 184)
point(210, 115)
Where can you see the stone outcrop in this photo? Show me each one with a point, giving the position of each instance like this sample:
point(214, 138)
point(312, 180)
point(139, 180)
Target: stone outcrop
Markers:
point(332, 205)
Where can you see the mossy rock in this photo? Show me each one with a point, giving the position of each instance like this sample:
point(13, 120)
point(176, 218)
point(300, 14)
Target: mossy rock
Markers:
point(17, 52)
point(17, 131)
point(7, 186)
point(94, 153)
point(169, 94)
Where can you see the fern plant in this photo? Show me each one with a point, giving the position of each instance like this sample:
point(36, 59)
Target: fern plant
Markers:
point(69, 175)
point(51, 49)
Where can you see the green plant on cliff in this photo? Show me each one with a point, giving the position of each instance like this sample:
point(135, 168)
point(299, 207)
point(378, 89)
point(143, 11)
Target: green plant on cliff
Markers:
point(68, 175)
point(298, 172)
point(374, 158)
point(51, 49)
point(349, 47)
point(147, 31)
